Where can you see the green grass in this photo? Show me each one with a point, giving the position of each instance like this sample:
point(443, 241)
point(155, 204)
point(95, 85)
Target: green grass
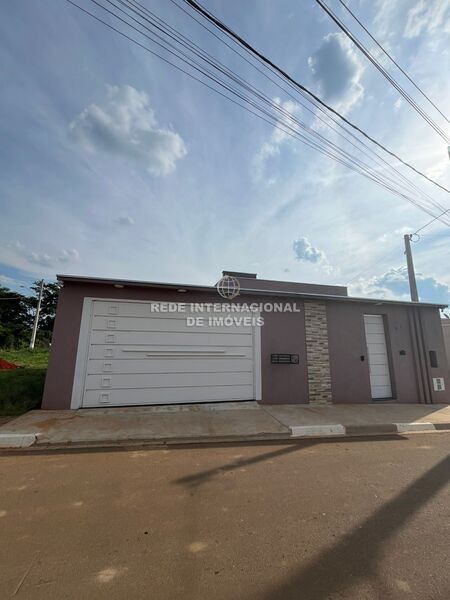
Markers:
point(21, 389)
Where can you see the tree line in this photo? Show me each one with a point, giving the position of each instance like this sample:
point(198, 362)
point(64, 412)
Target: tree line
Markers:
point(17, 312)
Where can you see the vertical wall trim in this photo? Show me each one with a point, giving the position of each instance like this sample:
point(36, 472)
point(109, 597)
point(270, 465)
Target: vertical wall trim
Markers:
point(257, 375)
point(416, 357)
point(82, 354)
point(317, 352)
point(426, 367)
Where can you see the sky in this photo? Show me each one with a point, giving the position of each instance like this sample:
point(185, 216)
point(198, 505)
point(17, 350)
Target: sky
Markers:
point(114, 164)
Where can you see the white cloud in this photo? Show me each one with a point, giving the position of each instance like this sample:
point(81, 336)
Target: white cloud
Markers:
point(278, 138)
point(305, 252)
point(337, 69)
point(125, 221)
point(404, 230)
point(9, 281)
point(126, 126)
point(439, 170)
point(427, 16)
point(43, 259)
point(69, 256)
point(394, 284)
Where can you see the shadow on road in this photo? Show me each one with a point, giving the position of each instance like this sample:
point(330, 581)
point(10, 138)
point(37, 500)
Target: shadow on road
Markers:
point(355, 557)
point(198, 479)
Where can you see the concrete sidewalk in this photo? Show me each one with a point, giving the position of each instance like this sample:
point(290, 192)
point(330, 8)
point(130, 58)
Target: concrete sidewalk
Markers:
point(216, 422)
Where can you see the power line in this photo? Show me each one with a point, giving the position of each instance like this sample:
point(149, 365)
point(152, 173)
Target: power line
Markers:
point(387, 256)
point(379, 159)
point(273, 122)
point(230, 33)
point(348, 9)
point(383, 71)
point(432, 221)
point(138, 9)
point(323, 145)
point(372, 265)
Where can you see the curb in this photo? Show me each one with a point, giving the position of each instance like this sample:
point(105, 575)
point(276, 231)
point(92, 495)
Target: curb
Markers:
point(411, 427)
point(17, 440)
point(30, 441)
point(317, 430)
point(339, 430)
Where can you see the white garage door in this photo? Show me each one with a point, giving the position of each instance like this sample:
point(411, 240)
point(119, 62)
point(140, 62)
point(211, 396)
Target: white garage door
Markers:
point(380, 378)
point(130, 355)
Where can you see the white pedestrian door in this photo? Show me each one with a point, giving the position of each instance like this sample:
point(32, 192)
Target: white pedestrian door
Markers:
point(380, 378)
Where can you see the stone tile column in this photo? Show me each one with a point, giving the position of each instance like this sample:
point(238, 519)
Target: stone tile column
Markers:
point(317, 355)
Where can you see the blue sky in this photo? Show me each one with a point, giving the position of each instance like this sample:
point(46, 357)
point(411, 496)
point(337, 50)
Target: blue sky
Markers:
point(115, 165)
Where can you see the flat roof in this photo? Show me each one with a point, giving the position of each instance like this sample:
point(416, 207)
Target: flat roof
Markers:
point(247, 290)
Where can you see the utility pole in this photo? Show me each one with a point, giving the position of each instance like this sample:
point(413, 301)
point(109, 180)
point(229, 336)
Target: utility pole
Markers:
point(411, 274)
point(36, 317)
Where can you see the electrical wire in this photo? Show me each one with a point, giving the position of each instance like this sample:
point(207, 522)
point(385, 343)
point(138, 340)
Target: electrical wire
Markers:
point(386, 53)
point(225, 70)
point(331, 151)
point(366, 149)
point(382, 70)
point(430, 222)
point(231, 34)
point(373, 265)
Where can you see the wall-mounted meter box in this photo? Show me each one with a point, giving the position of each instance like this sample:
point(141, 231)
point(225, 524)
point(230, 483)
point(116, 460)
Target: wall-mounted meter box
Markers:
point(438, 384)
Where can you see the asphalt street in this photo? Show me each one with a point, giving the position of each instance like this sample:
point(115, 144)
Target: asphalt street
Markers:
point(352, 519)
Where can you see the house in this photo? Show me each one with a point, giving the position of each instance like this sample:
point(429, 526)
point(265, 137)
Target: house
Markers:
point(119, 343)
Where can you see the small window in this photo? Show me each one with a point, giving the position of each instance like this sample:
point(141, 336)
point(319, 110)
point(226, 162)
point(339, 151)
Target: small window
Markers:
point(433, 359)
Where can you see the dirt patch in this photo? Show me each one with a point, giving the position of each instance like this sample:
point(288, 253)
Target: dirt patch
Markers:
point(4, 364)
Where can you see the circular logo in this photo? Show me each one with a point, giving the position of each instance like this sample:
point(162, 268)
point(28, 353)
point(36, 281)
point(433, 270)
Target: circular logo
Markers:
point(228, 287)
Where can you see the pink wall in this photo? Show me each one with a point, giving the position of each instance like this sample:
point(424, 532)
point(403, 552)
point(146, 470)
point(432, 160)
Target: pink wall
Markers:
point(282, 333)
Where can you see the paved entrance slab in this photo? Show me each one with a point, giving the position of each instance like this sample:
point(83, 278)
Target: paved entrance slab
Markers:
point(158, 424)
point(215, 422)
point(359, 414)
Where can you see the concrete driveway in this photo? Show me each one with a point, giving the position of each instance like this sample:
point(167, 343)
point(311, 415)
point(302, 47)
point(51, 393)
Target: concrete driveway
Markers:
point(355, 519)
point(216, 421)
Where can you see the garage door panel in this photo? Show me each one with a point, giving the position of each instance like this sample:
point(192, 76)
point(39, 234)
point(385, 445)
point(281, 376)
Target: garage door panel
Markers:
point(136, 357)
point(129, 352)
point(144, 310)
point(205, 338)
point(169, 324)
point(166, 395)
point(132, 309)
point(123, 381)
point(174, 365)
